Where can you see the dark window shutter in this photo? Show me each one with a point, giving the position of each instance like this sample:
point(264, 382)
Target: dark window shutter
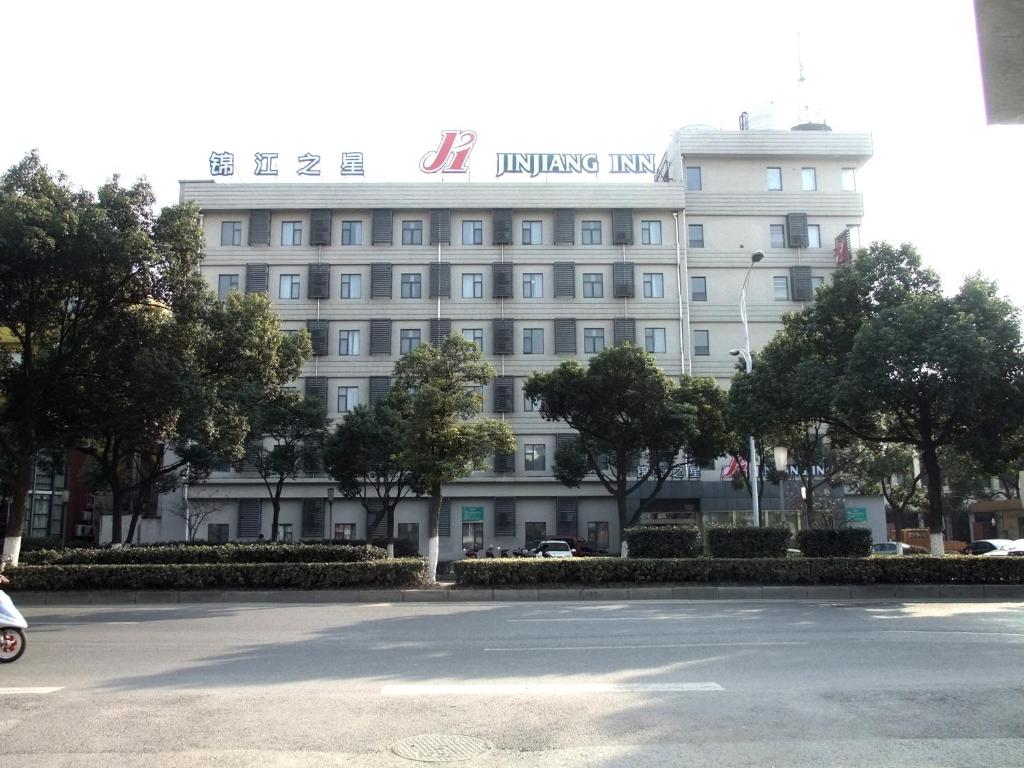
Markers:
point(440, 329)
point(376, 520)
point(380, 337)
point(379, 386)
point(501, 275)
point(504, 516)
point(320, 227)
point(316, 387)
point(440, 280)
point(505, 463)
point(318, 336)
point(503, 337)
point(252, 449)
point(565, 226)
point(441, 227)
point(504, 394)
point(312, 518)
point(622, 226)
point(382, 227)
point(563, 439)
point(380, 280)
point(502, 226)
point(249, 523)
point(444, 522)
point(622, 277)
point(257, 278)
point(566, 516)
point(800, 282)
point(796, 230)
point(565, 335)
point(259, 227)
point(319, 281)
point(624, 329)
point(565, 279)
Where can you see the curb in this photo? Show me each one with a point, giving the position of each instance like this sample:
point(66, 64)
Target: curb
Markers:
point(967, 592)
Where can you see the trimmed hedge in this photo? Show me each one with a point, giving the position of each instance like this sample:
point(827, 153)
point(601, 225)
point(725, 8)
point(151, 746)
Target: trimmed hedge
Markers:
point(741, 541)
point(380, 573)
point(826, 542)
point(664, 541)
point(218, 553)
point(706, 570)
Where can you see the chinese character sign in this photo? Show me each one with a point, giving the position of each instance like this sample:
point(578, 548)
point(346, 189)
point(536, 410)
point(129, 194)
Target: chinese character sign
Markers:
point(222, 164)
point(266, 164)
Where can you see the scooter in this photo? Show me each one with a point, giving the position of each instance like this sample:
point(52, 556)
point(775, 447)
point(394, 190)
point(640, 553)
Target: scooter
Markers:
point(12, 626)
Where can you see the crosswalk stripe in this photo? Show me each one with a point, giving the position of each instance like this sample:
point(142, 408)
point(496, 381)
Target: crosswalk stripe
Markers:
point(29, 690)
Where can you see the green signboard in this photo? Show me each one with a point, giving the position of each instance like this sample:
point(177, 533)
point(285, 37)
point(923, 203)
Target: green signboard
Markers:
point(856, 514)
point(472, 514)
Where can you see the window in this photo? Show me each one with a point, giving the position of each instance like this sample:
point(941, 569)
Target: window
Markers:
point(533, 285)
point(409, 340)
point(351, 233)
point(695, 235)
point(650, 232)
point(849, 180)
point(284, 533)
point(693, 178)
point(477, 390)
point(351, 286)
point(231, 233)
point(654, 340)
point(532, 234)
point(472, 536)
point(593, 285)
point(289, 331)
point(535, 534)
point(780, 284)
point(412, 285)
point(289, 288)
point(701, 343)
point(698, 289)
point(816, 283)
point(226, 284)
point(348, 343)
point(597, 535)
point(348, 399)
point(344, 531)
point(814, 236)
point(654, 285)
point(409, 535)
point(476, 335)
point(530, 404)
point(533, 341)
point(591, 232)
point(533, 456)
point(593, 340)
point(778, 235)
point(774, 179)
point(291, 233)
point(472, 285)
point(472, 233)
point(808, 179)
point(217, 533)
point(412, 233)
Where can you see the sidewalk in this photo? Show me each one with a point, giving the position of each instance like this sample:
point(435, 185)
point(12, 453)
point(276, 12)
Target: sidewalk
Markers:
point(451, 594)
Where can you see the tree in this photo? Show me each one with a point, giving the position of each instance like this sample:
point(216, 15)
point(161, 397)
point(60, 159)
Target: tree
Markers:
point(885, 469)
point(364, 457)
point(627, 412)
point(444, 436)
point(195, 512)
point(295, 427)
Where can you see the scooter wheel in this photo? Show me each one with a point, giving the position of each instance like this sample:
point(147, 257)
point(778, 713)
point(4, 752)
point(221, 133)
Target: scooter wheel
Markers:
point(12, 644)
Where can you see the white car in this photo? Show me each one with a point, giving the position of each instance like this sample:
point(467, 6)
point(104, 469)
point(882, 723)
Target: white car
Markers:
point(553, 548)
point(981, 546)
point(1014, 549)
point(896, 548)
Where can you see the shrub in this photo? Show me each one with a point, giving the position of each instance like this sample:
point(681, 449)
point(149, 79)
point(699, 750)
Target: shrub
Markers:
point(836, 570)
point(664, 541)
point(220, 553)
point(825, 542)
point(742, 541)
point(378, 573)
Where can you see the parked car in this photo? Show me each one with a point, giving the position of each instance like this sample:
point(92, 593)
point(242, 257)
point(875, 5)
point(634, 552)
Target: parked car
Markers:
point(552, 548)
point(897, 548)
point(1014, 549)
point(981, 546)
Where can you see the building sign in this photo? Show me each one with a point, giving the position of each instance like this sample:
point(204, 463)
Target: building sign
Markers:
point(534, 164)
point(472, 514)
point(266, 164)
point(856, 514)
point(451, 155)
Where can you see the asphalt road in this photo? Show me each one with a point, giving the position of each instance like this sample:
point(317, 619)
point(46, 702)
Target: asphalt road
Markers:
point(725, 683)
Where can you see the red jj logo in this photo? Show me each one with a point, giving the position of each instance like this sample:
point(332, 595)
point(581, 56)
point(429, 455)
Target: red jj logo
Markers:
point(452, 156)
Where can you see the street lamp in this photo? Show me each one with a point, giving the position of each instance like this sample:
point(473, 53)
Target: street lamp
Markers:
point(330, 506)
point(755, 257)
point(781, 460)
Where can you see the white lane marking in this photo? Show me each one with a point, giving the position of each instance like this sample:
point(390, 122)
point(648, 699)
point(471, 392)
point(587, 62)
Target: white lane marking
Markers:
point(37, 690)
point(78, 623)
point(619, 618)
point(640, 647)
point(541, 689)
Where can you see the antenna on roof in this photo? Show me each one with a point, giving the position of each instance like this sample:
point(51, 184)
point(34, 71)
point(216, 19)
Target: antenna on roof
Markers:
point(799, 59)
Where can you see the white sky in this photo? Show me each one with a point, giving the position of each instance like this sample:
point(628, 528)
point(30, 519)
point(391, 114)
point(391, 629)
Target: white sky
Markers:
point(146, 90)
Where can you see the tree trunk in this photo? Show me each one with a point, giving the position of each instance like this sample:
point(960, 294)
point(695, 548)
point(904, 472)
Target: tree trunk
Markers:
point(808, 502)
point(16, 516)
point(276, 503)
point(433, 530)
point(389, 540)
point(897, 522)
point(116, 527)
point(935, 516)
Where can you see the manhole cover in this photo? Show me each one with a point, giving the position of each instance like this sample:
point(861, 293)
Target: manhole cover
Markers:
point(441, 748)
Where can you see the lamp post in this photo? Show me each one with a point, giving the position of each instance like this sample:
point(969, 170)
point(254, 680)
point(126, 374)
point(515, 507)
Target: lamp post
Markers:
point(755, 257)
point(330, 507)
point(781, 460)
